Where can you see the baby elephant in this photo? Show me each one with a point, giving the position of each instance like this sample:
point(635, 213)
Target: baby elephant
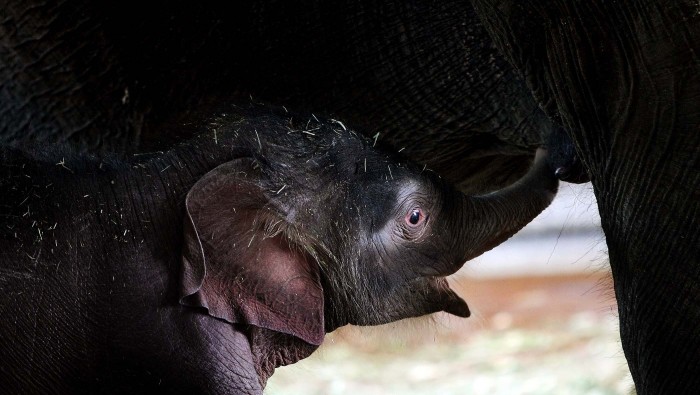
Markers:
point(202, 269)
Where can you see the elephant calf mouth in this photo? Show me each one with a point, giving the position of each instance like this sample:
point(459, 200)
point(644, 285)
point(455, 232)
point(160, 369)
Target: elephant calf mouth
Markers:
point(450, 302)
point(442, 296)
point(433, 294)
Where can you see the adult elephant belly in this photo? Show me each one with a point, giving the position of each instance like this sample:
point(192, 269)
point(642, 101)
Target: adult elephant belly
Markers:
point(421, 77)
point(626, 81)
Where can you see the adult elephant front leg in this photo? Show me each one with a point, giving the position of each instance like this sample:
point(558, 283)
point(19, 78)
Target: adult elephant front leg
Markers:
point(626, 80)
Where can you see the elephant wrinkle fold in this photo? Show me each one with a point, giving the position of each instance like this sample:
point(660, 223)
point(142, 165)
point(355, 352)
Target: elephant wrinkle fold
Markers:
point(227, 260)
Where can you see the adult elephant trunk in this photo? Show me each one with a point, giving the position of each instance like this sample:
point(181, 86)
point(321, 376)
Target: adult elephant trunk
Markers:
point(499, 215)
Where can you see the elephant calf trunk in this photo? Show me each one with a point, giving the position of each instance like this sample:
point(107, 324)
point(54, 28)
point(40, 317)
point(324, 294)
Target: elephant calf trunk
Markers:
point(495, 217)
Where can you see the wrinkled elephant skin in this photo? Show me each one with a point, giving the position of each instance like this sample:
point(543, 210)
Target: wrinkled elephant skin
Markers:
point(624, 78)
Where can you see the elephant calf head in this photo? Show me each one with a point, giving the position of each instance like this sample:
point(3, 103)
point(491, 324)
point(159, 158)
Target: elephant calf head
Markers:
point(311, 228)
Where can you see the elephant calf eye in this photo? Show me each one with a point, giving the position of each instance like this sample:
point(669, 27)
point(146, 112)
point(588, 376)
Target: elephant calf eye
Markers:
point(415, 217)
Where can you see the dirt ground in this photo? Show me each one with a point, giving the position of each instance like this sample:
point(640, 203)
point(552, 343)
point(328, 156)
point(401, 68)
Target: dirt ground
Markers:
point(527, 335)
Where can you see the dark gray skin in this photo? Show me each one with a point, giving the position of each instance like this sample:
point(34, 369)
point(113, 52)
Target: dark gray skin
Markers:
point(624, 77)
point(120, 76)
point(203, 268)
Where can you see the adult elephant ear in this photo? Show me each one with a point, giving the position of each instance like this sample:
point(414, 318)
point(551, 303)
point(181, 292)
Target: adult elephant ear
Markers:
point(238, 261)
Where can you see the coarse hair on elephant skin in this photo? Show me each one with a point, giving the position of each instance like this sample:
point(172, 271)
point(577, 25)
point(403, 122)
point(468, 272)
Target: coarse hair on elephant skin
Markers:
point(203, 268)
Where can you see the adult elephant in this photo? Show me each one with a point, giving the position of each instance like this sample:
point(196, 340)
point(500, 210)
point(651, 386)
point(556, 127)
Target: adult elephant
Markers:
point(624, 77)
point(424, 76)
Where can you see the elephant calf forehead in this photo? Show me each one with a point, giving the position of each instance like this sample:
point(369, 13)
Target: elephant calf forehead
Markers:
point(380, 203)
point(376, 201)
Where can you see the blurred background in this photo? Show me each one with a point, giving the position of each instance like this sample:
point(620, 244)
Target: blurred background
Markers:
point(544, 321)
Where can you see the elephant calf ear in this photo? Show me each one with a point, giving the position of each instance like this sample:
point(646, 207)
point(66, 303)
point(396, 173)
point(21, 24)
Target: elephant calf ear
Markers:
point(236, 271)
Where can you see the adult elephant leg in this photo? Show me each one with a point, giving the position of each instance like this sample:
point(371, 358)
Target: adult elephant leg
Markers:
point(625, 79)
